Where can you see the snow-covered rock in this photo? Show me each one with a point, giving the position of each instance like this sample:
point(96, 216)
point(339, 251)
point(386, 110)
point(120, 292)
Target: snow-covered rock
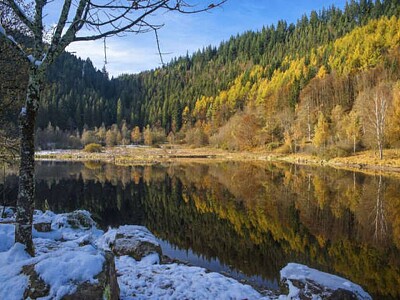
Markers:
point(307, 283)
point(135, 241)
point(105, 286)
point(9, 213)
point(73, 261)
point(66, 262)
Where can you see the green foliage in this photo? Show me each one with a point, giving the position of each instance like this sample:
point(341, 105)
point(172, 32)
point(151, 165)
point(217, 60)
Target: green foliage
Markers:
point(289, 73)
point(92, 148)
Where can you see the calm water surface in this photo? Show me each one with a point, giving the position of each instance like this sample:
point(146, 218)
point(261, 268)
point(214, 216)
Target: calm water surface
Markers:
point(244, 219)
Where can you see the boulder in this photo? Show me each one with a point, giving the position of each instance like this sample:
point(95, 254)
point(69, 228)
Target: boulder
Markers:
point(132, 240)
point(105, 286)
point(303, 282)
point(42, 226)
point(7, 212)
point(37, 288)
point(80, 219)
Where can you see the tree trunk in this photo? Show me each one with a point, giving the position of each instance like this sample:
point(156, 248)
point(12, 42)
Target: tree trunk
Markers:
point(26, 193)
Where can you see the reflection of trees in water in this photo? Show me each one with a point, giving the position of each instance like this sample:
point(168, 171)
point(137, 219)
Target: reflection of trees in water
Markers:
point(320, 214)
point(252, 216)
point(379, 212)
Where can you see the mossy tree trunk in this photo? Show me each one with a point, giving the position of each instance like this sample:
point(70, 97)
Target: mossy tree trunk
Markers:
point(26, 192)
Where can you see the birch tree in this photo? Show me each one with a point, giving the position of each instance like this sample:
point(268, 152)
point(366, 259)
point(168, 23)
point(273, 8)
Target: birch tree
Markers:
point(373, 104)
point(78, 20)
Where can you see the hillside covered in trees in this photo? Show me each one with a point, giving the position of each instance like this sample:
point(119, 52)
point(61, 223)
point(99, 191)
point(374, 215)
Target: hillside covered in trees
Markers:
point(329, 84)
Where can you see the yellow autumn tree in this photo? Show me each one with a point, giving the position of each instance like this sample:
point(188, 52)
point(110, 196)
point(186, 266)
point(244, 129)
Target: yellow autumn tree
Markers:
point(322, 133)
point(393, 129)
point(352, 127)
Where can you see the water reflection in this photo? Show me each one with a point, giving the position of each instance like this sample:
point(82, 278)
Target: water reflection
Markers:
point(245, 219)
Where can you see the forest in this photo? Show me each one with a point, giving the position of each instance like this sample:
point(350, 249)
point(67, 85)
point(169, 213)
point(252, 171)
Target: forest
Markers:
point(327, 85)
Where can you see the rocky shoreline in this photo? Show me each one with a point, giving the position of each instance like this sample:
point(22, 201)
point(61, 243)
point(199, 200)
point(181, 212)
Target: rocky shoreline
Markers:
point(75, 260)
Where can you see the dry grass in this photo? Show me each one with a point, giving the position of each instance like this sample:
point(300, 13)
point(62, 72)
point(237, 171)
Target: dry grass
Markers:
point(135, 155)
point(391, 158)
point(122, 155)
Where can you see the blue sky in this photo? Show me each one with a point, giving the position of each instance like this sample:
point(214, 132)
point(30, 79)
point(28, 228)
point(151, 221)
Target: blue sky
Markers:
point(188, 33)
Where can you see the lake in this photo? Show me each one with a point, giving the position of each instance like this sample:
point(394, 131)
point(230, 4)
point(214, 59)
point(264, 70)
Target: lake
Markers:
point(247, 220)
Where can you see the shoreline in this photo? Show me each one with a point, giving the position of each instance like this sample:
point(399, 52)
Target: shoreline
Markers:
point(365, 162)
point(126, 262)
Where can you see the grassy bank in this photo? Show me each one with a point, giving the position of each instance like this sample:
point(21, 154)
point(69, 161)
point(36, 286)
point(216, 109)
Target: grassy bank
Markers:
point(127, 155)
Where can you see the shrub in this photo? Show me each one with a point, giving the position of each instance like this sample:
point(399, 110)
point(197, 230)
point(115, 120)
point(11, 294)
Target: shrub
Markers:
point(92, 148)
point(196, 137)
point(334, 151)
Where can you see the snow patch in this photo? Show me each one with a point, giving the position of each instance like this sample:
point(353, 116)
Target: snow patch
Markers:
point(35, 61)
point(138, 233)
point(49, 152)
point(63, 269)
point(6, 236)
point(300, 272)
point(13, 284)
point(147, 279)
point(23, 111)
point(60, 259)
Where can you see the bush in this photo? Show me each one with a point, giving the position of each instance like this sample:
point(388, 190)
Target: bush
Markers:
point(196, 137)
point(92, 148)
point(334, 151)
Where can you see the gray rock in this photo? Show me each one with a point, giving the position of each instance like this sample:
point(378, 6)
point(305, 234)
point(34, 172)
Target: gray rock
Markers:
point(43, 226)
point(37, 287)
point(308, 283)
point(106, 288)
point(135, 241)
point(80, 219)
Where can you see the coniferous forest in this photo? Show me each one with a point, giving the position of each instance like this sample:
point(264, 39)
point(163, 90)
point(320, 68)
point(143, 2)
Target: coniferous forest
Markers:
point(328, 84)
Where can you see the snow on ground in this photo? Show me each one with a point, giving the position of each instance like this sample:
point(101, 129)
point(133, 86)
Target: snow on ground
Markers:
point(59, 260)
point(147, 279)
point(50, 152)
point(13, 284)
point(300, 272)
point(6, 236)
point(71, 253)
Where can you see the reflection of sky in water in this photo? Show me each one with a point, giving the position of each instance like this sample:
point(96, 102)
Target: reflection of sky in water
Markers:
point(214, 265)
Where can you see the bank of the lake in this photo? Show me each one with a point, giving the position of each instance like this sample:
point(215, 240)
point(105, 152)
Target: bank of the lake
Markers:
point(366, 161)
point(75, 260)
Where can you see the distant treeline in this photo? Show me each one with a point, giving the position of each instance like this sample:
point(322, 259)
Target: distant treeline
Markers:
point(307, 86)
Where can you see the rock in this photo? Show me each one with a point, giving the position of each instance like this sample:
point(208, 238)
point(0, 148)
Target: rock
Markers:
point(80, 219)
point(309, 289)
point(43, 226)
point(106, 287)
point(342, 294)
point(303, 282)
point(37, 287)
point(132, 240)
point(9, 212)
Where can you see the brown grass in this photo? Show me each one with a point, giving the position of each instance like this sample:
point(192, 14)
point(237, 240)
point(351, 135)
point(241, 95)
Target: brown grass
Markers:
point(367, 160)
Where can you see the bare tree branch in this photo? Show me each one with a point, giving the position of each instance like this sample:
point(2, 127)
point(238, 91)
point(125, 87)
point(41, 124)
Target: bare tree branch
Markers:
point(19, 12)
